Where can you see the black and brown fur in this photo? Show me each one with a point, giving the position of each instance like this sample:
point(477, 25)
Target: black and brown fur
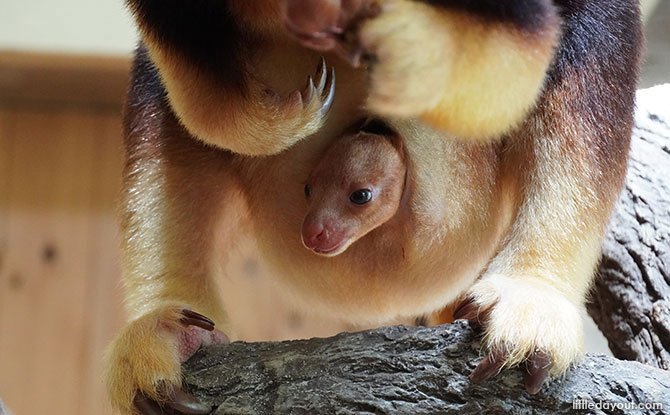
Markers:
point(515, 118)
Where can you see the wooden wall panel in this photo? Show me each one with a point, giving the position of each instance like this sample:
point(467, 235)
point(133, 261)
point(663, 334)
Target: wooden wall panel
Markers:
point(60, 270)
point(63, 80)
point(104, 291)
point(6, 140)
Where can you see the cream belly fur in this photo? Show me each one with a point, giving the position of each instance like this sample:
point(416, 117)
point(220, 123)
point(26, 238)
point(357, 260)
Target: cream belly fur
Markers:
point(450, 224)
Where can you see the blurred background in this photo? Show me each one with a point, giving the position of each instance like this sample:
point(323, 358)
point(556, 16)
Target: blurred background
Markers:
point(63, 72)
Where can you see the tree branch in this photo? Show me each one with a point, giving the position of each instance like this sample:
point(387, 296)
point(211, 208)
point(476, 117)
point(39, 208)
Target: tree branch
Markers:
point(401, 370)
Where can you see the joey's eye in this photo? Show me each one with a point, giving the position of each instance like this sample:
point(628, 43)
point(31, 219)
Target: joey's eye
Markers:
point(308, 190)
point(360, 197)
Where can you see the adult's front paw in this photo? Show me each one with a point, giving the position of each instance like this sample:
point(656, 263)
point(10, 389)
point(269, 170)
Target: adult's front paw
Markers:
point(407, 46)
point(144, 361)
point(526, 323)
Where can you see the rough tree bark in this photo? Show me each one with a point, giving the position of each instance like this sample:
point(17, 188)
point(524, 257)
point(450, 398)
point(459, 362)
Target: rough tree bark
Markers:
point(631, 299)
point(402, 370)
point(411, 370)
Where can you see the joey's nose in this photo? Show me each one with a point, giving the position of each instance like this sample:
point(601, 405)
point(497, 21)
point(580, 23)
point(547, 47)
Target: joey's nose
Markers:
point(315, 235)
point(324, 237)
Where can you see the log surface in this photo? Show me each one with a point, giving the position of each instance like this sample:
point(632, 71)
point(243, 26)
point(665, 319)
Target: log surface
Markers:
point(403, 370)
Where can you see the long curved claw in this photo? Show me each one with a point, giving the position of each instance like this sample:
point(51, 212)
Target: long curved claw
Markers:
point(178, 403)
point(308, 92)
point(185, 403)
point(320, 74)
point(146, 406)
point(191, 318)
point(472, 312)
point(327, 100)
point(537, 370)
point(465, 309)
point(321, 85)
point(489, 366)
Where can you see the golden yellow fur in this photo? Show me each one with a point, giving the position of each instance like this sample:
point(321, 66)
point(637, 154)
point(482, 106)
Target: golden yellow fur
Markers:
point(473, 79)
point(160, 276)
point(144, 354)
point(505, 200)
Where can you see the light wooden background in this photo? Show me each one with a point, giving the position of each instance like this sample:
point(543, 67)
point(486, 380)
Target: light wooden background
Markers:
point(60, 292)
point(59, 297)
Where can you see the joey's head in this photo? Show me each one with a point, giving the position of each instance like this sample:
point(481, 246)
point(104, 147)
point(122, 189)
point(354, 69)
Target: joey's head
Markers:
point(356, 187)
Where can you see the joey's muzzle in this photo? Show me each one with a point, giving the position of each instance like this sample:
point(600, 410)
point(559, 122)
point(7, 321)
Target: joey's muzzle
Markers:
point(322, 237)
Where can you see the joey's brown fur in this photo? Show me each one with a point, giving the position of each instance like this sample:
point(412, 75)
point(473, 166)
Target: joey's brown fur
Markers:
point(515, 120)
point(355, 188)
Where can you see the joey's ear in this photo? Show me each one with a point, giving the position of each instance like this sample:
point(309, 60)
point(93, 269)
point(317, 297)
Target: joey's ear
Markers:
point(397, 142)
point(377, 126)
point(380, 127)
